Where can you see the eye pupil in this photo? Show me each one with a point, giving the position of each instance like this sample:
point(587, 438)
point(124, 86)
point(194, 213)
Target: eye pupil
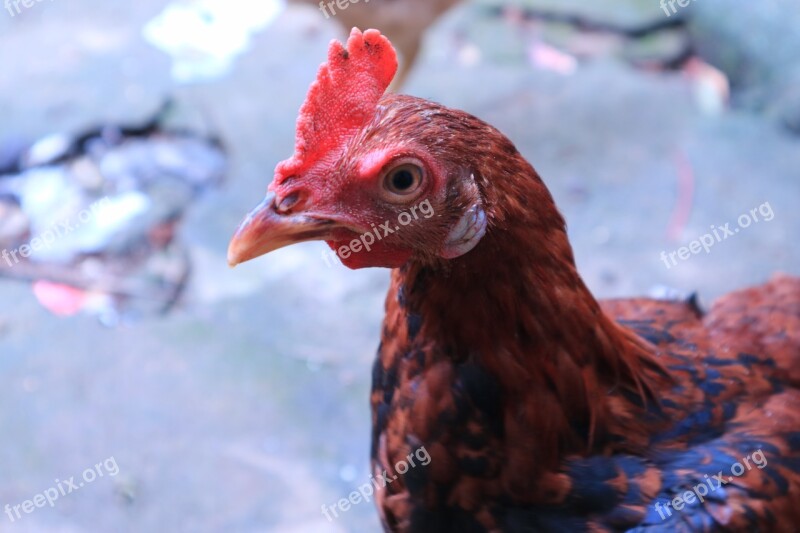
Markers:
point(402, 179)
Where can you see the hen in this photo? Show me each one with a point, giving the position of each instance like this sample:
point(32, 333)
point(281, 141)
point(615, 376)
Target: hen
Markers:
point(541, 409)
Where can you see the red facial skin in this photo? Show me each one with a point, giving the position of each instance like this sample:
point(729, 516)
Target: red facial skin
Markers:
point(360, 208)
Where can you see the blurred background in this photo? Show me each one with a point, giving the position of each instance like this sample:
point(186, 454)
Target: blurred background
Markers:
point(136, 135)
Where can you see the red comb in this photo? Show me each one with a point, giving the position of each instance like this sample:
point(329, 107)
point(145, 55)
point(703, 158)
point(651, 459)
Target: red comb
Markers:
point(342, 99)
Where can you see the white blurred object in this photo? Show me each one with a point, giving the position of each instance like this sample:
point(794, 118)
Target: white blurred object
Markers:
point(547, 57)
point(94, 227)
point(48, 149)
point(667, 293)
point(58, 208)
point(712, 89)
point(203, 37)
point(47, 196)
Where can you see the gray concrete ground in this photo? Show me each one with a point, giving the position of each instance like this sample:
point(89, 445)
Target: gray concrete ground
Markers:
point(246, 410)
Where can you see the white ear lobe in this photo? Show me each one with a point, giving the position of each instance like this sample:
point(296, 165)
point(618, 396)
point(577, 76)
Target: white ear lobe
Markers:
point(466, 234)
point(470, 228)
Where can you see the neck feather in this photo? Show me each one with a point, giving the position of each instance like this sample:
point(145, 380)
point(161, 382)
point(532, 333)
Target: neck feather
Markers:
point(516, 306)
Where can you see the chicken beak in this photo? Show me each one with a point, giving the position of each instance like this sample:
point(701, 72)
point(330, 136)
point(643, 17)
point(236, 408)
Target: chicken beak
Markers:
point(265, 230)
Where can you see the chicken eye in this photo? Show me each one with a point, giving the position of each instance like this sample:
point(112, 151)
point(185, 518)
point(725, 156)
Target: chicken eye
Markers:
point(403, 181)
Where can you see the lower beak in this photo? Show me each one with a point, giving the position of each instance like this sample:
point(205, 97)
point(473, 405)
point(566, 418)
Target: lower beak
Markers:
point(265, 230)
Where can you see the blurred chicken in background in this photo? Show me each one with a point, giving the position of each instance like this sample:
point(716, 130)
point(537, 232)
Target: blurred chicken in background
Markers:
point(90, 219)
point(403, 21)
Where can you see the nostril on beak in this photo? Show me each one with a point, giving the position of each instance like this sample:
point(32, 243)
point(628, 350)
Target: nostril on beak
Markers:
point(287, 202)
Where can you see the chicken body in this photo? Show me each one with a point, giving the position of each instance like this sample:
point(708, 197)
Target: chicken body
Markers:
point(539, 408)
point(732, 397)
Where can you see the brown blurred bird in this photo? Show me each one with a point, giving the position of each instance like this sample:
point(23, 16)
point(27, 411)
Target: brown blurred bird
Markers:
point(540, 408)
point(402, 21)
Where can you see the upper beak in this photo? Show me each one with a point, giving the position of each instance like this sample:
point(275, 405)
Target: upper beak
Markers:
point(265, 230)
